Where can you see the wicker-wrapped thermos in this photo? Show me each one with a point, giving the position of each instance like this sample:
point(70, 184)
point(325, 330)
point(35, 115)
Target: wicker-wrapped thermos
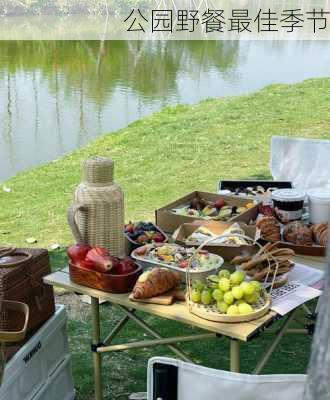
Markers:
point(97, 214)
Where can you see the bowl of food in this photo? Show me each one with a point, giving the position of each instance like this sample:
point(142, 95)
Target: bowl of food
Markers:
point(97, 269)
point(178, 258)
point(141, 232)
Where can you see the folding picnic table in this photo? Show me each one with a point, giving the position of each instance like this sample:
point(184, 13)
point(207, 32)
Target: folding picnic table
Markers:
point(244, 332)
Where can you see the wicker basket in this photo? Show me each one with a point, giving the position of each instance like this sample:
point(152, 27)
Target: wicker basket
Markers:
point(210, 312)
point(14, 318)
point(23, 282)
point(97, 215)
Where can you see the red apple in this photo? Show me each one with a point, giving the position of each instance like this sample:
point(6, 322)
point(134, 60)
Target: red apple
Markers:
point(129, 228)
point(220, 203)
point(158, 237)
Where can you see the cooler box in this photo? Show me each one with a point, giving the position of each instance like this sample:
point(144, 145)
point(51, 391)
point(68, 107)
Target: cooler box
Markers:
point(41, 364)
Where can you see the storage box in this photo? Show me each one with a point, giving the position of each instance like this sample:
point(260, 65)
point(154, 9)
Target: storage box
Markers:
point(169, 221)
point(59, 386)
point(24, 283)
point(232, 186)
point(226, 251)
point(37, 360)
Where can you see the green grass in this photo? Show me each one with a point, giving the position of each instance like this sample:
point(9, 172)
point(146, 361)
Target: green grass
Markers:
point(158, 159)
point(162, 157)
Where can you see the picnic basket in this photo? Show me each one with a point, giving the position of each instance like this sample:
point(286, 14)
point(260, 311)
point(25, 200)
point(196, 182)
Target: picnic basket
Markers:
point(21, 279)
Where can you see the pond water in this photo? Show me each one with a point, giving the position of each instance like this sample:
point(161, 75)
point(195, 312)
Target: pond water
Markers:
point(58, 96)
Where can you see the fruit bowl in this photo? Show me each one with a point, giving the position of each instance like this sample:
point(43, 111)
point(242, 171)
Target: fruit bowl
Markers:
point(106, 282)
point(211, 313)
point(141, 233)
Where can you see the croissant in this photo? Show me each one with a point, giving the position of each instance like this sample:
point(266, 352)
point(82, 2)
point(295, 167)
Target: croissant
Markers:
point(320, 232)
point(155, 282)
point(270, 229)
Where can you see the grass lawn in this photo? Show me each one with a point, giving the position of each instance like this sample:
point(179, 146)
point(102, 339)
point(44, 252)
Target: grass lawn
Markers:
point(162, 157)
point(158, 159)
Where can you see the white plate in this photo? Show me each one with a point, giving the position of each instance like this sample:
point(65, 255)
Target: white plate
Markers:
point(147, 262)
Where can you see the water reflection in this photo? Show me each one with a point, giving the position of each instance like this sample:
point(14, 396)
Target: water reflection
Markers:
point(57, 96)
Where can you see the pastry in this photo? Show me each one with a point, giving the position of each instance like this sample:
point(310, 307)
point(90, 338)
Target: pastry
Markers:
point(270, 264)
point(155, 282)
point(298, 233)
point(269, 228)
point(321, 234)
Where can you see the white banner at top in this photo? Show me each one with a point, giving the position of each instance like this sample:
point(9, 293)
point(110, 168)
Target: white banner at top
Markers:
point(165, 20)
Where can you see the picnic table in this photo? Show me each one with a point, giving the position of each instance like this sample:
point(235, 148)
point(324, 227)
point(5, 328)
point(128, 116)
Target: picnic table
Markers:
point(235, 332)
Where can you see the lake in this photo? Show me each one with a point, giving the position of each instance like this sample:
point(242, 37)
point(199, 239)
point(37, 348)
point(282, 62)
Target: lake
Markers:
point(58, 96)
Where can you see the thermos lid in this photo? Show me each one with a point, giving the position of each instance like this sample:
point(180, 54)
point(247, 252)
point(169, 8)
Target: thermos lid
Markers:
point(97, 171)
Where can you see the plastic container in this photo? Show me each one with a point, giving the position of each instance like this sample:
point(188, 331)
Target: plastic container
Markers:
point(30, 368)
point(319, 205)
point(59, 385)
point(288, 204)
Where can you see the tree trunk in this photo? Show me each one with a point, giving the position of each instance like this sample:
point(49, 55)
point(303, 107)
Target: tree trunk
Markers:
point(318, 380)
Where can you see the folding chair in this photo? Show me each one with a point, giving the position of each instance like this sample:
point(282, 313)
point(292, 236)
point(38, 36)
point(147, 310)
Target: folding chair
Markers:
point(171, 379)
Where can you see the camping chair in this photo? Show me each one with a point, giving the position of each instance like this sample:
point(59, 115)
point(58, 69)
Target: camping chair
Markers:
point(171, 379)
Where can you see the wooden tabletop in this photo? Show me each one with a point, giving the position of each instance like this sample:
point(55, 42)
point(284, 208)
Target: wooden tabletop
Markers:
point(178, 311)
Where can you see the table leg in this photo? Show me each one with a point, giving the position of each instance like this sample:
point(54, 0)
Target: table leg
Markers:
point(234, 355)
point(274, 343)
point(97, 361)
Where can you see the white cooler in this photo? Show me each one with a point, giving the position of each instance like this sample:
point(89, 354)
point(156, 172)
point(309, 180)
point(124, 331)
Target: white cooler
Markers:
point(41, 369)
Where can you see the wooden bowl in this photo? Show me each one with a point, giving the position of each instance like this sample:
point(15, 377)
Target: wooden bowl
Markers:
point(106, 282)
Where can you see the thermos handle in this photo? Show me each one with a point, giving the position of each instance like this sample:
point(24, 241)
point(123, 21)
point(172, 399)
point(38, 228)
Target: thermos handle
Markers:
point(71, 217)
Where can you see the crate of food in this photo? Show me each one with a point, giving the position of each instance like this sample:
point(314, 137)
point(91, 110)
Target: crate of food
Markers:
point(141, 232)
point(176, 258)
point(237, 237)
point(205, 207)
point(21, 279)
point(30, 368)
point(251, 189)
point(286, 222)
point(97, 269)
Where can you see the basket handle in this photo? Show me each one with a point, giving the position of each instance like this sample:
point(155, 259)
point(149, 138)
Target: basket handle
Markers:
point(7, 251)
point(71, 218)
point(208, 241)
